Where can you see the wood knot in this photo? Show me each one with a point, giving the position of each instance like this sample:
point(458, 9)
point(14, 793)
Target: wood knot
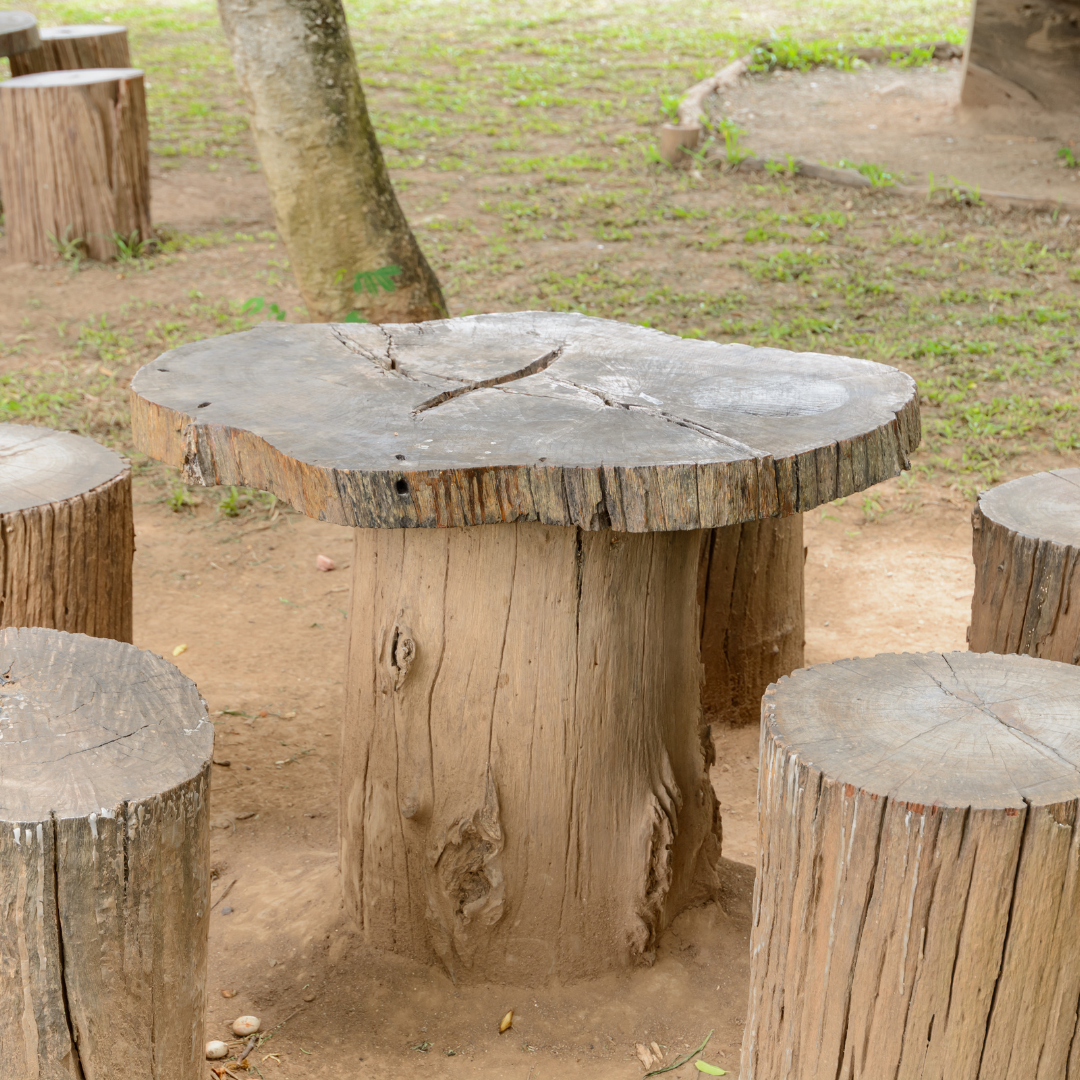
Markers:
point(402, 654)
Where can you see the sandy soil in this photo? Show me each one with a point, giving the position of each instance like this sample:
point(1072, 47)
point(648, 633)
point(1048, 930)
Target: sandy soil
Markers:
point(906, 119)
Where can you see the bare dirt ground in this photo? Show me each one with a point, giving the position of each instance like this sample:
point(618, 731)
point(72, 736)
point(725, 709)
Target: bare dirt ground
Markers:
point(906, 119)
point(264, 633)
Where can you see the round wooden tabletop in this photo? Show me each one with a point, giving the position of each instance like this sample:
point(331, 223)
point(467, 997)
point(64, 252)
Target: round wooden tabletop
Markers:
point(558, 418)
point(77, 77)
point(39, 465)
point(18, 32)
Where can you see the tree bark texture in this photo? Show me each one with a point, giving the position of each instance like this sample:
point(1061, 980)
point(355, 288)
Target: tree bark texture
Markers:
point(76, 165)
point(918, 887)
point(67, 48)
point(1026, 544)
point(752, 614)
point(18, 32)
point(1023, 53)
point(67, 537)
point(104, 861)
point(333, 201)
point(524, 775)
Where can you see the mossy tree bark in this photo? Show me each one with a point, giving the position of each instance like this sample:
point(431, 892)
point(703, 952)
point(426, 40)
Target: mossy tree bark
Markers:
point(335, 207)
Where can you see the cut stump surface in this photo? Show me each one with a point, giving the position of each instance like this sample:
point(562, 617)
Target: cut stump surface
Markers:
point(104, 860)
point(524, 787)
point(18, 32)
point(1026, 544)
point(67, 531)
point(67, 48)
point(918, 886)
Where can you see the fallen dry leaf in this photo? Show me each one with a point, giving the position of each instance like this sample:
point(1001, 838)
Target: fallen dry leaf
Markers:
point(179, 649)
point(643, 1055)
point(506, 1022)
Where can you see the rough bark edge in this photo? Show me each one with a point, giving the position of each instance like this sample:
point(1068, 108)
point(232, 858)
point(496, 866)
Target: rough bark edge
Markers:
point(624, 499)
point(108, 611)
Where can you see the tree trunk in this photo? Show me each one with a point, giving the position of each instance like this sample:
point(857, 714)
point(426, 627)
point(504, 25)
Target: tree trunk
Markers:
point(67, 534)
point(1023, 53)
point(76, 169)
point(333, 201)
point(1026, 544)
point(104, 868)
point(753, 622)
point(67, 48)
point(524, 773)
point(918, 885)
point(18, 32)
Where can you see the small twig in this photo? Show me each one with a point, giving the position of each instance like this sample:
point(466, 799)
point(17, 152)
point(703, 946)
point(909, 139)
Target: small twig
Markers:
point(252, 1043)
point(224, 894)
point(682, 1061)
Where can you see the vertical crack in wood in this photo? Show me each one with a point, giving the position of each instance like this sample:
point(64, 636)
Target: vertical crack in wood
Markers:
point(1029, 818)
point(73, 1033)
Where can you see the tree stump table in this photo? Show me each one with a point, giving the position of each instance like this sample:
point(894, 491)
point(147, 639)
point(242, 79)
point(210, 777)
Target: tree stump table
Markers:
point(524, 786)
point(75, 171)
point(67, 533)
point(104, 861)
point(18, 33)
point(66, 48)
point(1026, 543)
point(918, 888)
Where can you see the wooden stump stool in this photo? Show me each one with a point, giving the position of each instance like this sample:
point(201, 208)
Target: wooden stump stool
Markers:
point(67, 532)
point(104, 861)
point(66, 48)
point(1026, 543)
point(524, 786)
point(918, 891)
point(76, 165)
point(18, 33)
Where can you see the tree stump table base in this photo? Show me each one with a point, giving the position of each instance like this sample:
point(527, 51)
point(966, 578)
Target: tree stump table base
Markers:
point(918, 887)
point(524, 785)
point(104, 861)
point(1026, 546)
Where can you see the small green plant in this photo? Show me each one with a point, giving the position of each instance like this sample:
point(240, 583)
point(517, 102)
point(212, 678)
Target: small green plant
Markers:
point(789, 167)
point(733, 148)
point(257, 303)
point(370, 281)
point(791, 55)
point(69, 248)
point(669, 106)
point(230, 505)
point(179, 498)
point(1068, 158)
point(955, 191)
point(130, 248)
point(878, 175)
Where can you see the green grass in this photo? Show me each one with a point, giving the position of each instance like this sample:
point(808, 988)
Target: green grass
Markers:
point(521, 137)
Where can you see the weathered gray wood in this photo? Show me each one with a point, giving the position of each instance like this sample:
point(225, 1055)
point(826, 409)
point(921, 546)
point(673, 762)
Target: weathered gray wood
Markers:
point(753, 619)
point(1023, 53)
point(18, 32)
point(530, 416)
point(1026, 545)
point(918, 886)
point(525, 784)
point(66, 48)
point(67, 537)
point(76, 166)
point(104, 861)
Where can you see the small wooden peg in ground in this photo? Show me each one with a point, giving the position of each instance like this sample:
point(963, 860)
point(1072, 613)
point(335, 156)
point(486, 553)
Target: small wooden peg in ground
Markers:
point(684, 135)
